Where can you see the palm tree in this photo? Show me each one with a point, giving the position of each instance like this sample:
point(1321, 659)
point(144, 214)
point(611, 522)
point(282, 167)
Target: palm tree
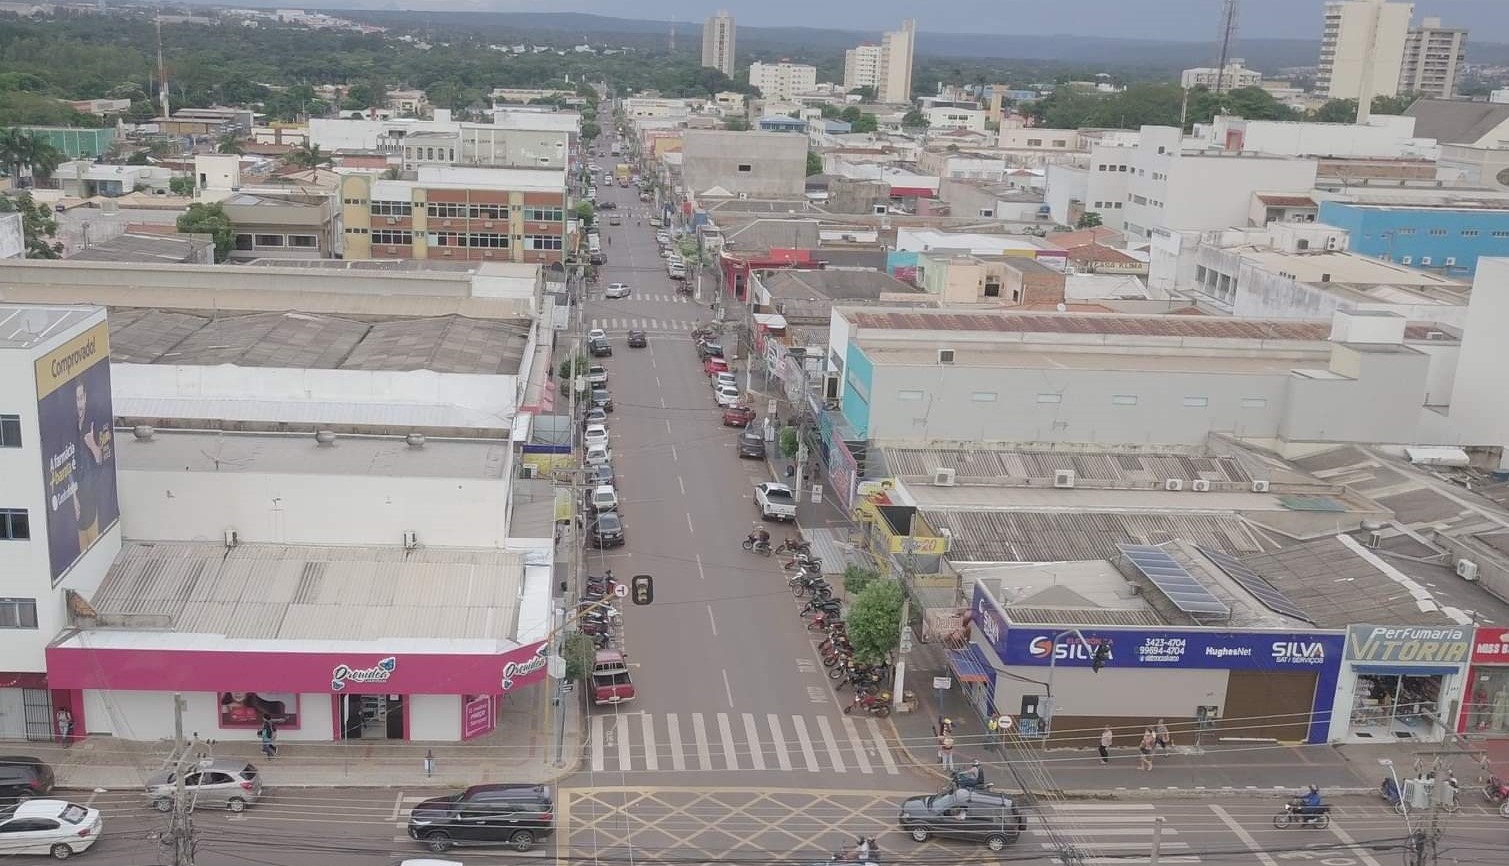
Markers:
point(20, 149)
point(13, 144)
point(42, 158)
point(229, 144)
point(307, 156)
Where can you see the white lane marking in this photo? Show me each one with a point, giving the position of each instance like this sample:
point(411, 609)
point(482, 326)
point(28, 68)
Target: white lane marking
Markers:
point(1241, 833)
point(699, 730)
point(808, 753)
point(860, 757)
point(621, 730)
point(752, 736)
point(778, 740)
point(831, 742)
point(881, 748)
point(1346, 837)
point(712, 622)
point(597, 744)
point(1102, 807)
point(700, 573)
point(657, 381)
point(673, 730)
point(689, 528)
point(730, 749)
point(674, 458)
point(668, 430)
point(651, 757)
point(397, 807)
point(682, 484)
point(728, 689)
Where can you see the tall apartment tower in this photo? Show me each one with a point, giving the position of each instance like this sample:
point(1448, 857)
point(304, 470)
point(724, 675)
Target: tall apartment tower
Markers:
point(862, 67)
point(718, 42)
point(1433, 59)
point(896, 52)
point(1362, 50)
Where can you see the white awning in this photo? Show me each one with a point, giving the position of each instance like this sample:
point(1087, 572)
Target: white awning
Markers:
point(773, 321)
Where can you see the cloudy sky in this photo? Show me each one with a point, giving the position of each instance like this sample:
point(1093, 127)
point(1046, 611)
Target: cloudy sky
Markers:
point(1152, 19)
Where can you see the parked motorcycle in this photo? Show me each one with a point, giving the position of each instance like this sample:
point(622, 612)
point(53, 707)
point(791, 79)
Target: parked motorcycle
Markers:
point(795, 545)
point(802, 584)
point(1296, 813)
point(876, 704)
point(753, 545)
point(1495, 790)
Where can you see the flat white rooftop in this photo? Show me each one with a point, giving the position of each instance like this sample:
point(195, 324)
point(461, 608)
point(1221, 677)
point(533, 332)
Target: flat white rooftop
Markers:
point(23, 326)
point(298, 453)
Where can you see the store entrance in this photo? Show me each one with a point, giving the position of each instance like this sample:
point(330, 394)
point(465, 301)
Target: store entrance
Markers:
point(371, 717)
point(1396, 706)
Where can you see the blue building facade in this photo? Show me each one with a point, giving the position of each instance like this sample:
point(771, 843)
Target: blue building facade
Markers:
point(1447, 240)
point(781, 123)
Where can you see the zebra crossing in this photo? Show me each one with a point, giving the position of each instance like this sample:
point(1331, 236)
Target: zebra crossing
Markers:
point(645, 324)
point(664, 299)
point(1105, 834)
point(645, 742)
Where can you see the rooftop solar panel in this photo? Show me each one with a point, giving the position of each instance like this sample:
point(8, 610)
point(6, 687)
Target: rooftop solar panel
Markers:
point(1177, 584)
point(1251, 581)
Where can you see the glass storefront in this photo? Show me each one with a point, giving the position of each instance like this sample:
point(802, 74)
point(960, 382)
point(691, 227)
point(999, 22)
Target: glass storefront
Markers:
point(1396, 705)
point(1487, 706)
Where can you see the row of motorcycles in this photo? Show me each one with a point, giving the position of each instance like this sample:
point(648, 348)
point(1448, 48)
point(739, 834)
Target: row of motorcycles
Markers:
point(595, 614)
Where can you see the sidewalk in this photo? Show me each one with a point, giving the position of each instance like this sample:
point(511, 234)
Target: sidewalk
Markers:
point(1264, 769)
point(519, 750)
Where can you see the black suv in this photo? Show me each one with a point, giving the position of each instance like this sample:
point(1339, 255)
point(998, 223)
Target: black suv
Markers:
point(24, 778)
point(513, 815)
point(600, 348)
point(601, 399)
point(638, 339)
point(607, 530)
point(971, 814)
point(751, 443)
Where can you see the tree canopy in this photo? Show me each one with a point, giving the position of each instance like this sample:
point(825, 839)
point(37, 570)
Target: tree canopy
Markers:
point(38, 226)
point(875, 621)
point(209, 219)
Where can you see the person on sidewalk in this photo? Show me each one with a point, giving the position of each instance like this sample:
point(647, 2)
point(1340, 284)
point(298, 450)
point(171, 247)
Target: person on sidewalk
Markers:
point(946, 752)
point(266, 734)
point(1106, 739)
point(1145, 749)
point(1165, 740)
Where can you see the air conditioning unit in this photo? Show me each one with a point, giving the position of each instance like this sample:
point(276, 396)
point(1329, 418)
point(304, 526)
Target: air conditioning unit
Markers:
point(1375, 539)
point(487, 224)
point(410, 539)
point(1200, 485)
point(943, 477)
point(488, 254)
point(1467, 569)
point(830, 386)
point(448, 253)
point(1173, 484)
point(1063, 478)
point(232, 539)
point(948, 538)
point(1259, 487)
point(445, 222)
point(945, 356)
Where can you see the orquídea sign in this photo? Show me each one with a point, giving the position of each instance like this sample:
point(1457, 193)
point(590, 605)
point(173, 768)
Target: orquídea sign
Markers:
point(378, 673)
point(512, 671)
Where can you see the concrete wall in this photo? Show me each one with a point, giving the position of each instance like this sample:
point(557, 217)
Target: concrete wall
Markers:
point(1479, 410)
point(1197, 193)
point(1378, 400)
point(1066, 183)
point(1264, 294)
point(1443, 240)
point(434, 717)
point(753, 163)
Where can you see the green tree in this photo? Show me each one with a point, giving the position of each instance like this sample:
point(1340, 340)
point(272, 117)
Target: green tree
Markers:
point(38, 226)
point(563, 372)
point(830, 112)
point(914, 119)
point(736, 124)
point(790, 441)
point(22, 150)
point(308, 156)
point(229, 143)
point(590, 130)
point(814, 163)
point(865, 94)
point(875, 621)
point(1088, 220)
point(209, 219)
point(857, 578)
point(579, 653)
point(865, 123)
point(1252, 103)
point(1345, 110)
point(586, 212)
point(181, 185)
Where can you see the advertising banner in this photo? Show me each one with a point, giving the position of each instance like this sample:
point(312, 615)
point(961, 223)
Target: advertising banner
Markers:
point(476, 716)
point(1491, 646)
point(1409, 645)
point(78, 446)
point(245, 709)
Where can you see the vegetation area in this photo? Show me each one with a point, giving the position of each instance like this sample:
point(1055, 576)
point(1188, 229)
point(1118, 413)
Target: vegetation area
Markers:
point(1165, 105)
point(209, 219)
point(875, 621)
point(22, 154)
point(38, 226)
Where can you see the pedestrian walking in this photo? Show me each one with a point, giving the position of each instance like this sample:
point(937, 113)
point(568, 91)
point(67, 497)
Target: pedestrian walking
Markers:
point(1145, 749)
point(1106, 739)
point(267, 734)
point(1165, 740)
point(946, 751)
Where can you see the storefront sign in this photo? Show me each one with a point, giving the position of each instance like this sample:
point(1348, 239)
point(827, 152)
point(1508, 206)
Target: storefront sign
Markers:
point(1491, 646)
point(378, 673)
point(1406, 645)
point(516, 671)
point(477, 717)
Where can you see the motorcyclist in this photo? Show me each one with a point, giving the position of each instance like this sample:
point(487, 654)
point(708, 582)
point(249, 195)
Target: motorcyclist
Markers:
point(758, 536)
point(974, 777)
point(1310, 804)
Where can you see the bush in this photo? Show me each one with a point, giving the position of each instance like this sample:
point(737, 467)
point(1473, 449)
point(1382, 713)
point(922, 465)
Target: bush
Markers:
point(579, 653)
point(857, 577)
point(790, 442)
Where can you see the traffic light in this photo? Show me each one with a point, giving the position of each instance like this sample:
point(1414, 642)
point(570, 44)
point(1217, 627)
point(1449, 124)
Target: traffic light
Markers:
point(1102, 655)
point(642, 588)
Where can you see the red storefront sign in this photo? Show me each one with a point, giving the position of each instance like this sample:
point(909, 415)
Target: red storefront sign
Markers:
point(1490, 646)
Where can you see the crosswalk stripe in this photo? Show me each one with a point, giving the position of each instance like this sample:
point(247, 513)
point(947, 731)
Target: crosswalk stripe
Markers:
point(860, 757)
point(831, 742)
point(752, 736)
point(881, 748)
point(597, 744)
point(1114, 831)
point(730, 752)
point(651, 757)
point(1123, 846)
point(699, 730)
point(778, 740)
point(673, 727)
point(621, 728)
point(808, 753)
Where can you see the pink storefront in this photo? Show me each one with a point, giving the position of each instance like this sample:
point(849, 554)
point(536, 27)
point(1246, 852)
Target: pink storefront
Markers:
point(122, 684)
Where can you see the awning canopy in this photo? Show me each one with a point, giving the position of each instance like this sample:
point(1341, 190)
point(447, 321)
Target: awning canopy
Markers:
point(967, 665)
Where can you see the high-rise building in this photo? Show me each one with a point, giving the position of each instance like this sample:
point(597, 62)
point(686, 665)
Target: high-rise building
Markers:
point(782, 80)
point(862, 67)
point(1432, 59)
point(896, 50)
point(718, 42)
point(1362, 49)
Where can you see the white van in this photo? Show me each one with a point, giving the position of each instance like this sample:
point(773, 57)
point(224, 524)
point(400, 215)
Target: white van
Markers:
point(676, 269)
point(594, 243)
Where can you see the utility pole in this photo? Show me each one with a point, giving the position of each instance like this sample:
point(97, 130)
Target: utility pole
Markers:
point(180, 828)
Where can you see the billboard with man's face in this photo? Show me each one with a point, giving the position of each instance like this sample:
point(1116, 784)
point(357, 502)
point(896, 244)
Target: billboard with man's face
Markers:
point(78, 445)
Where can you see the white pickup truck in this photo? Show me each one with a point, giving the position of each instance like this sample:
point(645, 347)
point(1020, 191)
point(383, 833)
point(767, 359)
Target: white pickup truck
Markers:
point(775, 501)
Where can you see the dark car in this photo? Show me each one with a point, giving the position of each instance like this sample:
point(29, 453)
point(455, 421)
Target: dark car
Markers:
point(601, 474)
point(638, 339)
point(710, 349)
point(607, 530)
point(24, 778)
point(971, 814)
point(751, 444)
point(608, 205)
point(512, 815)
point(594, 415)
point(600, 348)
point(601, 399)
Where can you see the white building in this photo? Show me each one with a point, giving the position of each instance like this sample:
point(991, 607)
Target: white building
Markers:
point(782, 80)
point(1383, 136)
point(896, 54)
point(644, 107)
point(1362, 48)
point(515, 139)
point(862, 67)
point(1433, 58)
point(943, 117)
point(59, 509)
point(718, 42)
point(1230, 77)
point(1479, 414)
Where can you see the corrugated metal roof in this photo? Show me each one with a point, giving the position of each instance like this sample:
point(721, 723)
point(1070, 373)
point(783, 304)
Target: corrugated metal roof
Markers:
point(976, 465)
point(258, 591)
point(1207, 327)
point(1054, 536)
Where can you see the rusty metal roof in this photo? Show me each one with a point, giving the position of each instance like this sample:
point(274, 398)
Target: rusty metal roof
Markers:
point(1208, 327)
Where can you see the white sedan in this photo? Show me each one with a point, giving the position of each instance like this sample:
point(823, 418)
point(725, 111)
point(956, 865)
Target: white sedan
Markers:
point(728, 395)
point(597, 334)
point(53, 827)
point(597, 434)
point(617, 290)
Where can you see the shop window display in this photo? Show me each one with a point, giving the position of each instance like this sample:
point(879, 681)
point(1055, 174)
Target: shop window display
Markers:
point(1389, 704)
point(1488, 705)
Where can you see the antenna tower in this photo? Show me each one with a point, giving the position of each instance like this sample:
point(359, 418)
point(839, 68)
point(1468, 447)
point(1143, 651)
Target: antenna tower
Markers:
point(673, 36)
point(162, 69)
point(1229, 13)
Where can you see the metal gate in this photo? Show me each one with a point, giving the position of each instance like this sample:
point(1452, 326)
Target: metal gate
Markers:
point(38, 704)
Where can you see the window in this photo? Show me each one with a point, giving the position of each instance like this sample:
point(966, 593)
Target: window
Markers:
point(243, 242)
point(1050, 398)
point(389, 237)
point(1407, 230)
point(1438, 233)
point(489, 211)
point(1124, 400)
point(1469, 233)
point(1118, 206)
point(1254, 402)
point(14, 524)
point(488, 240)
point(446, 239)
point(1196, 402)
point(18, 613)
point(446, 210)
point(429, 153)
point(306, 241)
point(1060, 142)
point(269, 240)
point(1501, 235)
point(1121, 168)
point(992, 288)
point(1034, 142)
point(452, 152)
point(10, 431)
point(357, 231)
point(392, 208)
point(987, 212)
point(543, 214)
point(1425, 260)
point(542, 242)
point(908, 395)
point(745, 167)
point(983, 396)
point(1406, 260)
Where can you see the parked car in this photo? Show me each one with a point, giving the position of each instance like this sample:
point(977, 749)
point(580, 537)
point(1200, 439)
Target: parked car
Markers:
point(710, 349)
point(970, 814)
point(512, 815)
point(638, 339)
point(23, 777)
point(600, 348)
point(617, 290)
point(594, 416)
point(597, 334)
point(597, 455)
point(715, 364)
point(608, 205)
point(602, 399)
point(724, 379)
point(228, 782)
point(662, 238)
point(602, 474)
point(738, 416)
point(752, 444)
point(775, 501)
point(56, 827)
point(607, 530)
point(595, 434)
point(603, 498)
point(611, 683)
point(615, 220)
point(728, 395)
point(597, 375)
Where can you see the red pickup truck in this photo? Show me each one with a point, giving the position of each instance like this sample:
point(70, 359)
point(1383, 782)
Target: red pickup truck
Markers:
point(610, 679)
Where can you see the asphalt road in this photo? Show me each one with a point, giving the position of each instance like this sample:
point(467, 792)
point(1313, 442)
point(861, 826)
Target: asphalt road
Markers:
point(730, 689)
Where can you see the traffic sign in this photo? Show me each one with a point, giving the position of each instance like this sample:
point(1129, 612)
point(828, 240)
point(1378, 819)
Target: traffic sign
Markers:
point(943, 682)
point(621, 590)
point(1003, 722)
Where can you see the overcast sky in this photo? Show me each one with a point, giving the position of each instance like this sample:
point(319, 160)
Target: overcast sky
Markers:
point(1150, 19)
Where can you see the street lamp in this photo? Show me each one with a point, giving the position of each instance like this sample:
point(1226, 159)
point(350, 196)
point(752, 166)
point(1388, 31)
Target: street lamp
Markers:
point(1048, 707)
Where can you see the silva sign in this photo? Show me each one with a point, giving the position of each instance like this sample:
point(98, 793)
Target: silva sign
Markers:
point(1069, 647)
point(1409, 645)
point(378, 673)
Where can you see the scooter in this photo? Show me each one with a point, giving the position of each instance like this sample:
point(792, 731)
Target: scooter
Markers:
point(802, 584)
point(795, 545)
point(1495, 790)
point(1296, 812)
point(760, 546)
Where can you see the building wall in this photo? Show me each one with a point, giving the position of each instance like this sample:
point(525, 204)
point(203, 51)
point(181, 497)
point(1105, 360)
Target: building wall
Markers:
point(1349, 29)
point(949, 117)
point(363, 229)
point(782, 80)
point(434, 717)
point(147, 716)
point(1479, 411)
point(895, 78)
point(1389, 137)
point(1449, 241)
point(1379, 401)
point(1433, 58)
point(754, 163)
point(1067, 184)
point(1198, 193)
point(862, 67)
point(1231, 77)
point(858, 381)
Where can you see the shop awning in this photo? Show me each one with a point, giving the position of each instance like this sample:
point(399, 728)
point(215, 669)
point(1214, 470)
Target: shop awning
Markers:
point(1407, 670)
point(967, 666)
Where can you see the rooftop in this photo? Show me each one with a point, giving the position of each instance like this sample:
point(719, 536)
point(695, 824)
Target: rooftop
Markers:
point(1201, 327)
point(978, 465)
point(381, 456)
point(1010, 355)
point(141, 247)
point(1090, 593)
point(1349, 269)
point(1452, 121)
point(804, 285)
point(23, 326)
point(1067, 536)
